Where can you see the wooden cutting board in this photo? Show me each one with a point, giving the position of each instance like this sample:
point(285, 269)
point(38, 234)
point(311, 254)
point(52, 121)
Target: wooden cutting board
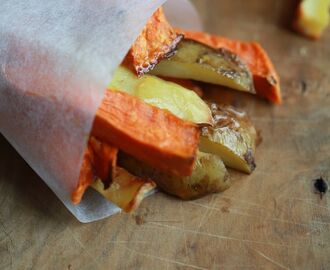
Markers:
point(271, 219)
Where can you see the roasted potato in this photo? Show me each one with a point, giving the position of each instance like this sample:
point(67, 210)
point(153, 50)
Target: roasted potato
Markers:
point(209, 176)
point(126, 190)
point(265, 77)
point(232, 137)
point(170, 96)
point(312, 18)
point(197, 61)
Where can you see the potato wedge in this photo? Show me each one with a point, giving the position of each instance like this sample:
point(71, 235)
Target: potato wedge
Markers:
point(209, 175)
point(183, 103)
point(126, 190)
point(312, 18)
point(232, 138)
point(197, 61)
point(265, 77)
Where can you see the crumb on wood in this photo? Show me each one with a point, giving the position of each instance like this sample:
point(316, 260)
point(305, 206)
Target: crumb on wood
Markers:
point(303, 87)
point(321, 186)
point(139, 220)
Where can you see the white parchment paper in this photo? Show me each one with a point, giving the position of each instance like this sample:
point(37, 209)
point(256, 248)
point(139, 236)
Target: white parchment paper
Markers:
point(56, 59)
point(181, 13)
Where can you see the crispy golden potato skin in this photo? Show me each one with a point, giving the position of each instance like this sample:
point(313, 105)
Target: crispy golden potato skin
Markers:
point(209, 176)
point(232, 137)
point(197, 61)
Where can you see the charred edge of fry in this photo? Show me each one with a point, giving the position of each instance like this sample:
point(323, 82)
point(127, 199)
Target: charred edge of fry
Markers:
point(249, 158)
point(171, 50)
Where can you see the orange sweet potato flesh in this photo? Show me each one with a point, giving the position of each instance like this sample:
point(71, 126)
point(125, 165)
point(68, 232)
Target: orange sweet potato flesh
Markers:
point(157, 40)
point(105, 160)
point(266, 80)
point(100, 160)
point(86, 176)
point(150, 134)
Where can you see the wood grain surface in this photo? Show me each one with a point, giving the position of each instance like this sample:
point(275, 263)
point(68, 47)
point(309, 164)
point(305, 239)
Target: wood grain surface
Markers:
point(271, 219)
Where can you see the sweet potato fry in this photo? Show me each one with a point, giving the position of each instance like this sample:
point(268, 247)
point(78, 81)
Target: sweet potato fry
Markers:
point(148, 133)
point(157, 40)
point(266, 80)
point(105, 160)
point(86, 176)
point(99, 170)
point(99, 161)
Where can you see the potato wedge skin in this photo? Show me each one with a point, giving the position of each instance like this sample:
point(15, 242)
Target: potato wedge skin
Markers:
point(209, 176)
point(197, 61)
point(232, 137)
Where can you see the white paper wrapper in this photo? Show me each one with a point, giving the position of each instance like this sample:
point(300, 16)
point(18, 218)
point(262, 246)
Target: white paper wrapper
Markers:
point(57, 56)
point(181, 13)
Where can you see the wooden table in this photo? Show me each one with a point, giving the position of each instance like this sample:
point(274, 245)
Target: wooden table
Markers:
point(271, 219)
